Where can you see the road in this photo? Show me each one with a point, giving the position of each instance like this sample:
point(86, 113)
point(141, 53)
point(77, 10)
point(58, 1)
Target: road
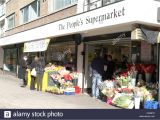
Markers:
point(12, 96)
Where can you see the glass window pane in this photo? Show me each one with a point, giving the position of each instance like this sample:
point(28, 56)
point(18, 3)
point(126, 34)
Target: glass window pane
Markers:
point(60, 4)
point(25, 13)
point(10, 60)
point(33, 11)
point(11, 20)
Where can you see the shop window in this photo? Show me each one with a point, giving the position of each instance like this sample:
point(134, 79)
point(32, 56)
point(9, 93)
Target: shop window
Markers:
point(30, 12)
point(8, 0)
point(62, 54)
point(11, 21)
point(60, 4)
point(10, 60)
point(106, 2)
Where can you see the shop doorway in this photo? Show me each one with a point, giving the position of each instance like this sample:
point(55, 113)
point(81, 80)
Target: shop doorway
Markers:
point(117, 50)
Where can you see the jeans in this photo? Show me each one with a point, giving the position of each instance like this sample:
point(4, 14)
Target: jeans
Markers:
point(96, 80)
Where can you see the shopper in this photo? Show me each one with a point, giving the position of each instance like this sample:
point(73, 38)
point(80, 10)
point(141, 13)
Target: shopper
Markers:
point(33, 76)
point(97, 67)
point(22, 70)
point(110, 67)
point(38, 64)
point(124, 62)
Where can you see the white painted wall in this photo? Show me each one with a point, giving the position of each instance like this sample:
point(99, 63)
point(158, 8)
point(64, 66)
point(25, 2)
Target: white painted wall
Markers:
point(80, 6)
point(80, 64)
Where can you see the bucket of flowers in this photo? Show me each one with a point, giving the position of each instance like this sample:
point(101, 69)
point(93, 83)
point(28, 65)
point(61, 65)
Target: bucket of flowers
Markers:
point(123, 79)
point(148, 70)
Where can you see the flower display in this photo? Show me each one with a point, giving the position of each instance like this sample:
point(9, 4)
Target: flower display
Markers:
point(123, 79)
point(150, 68)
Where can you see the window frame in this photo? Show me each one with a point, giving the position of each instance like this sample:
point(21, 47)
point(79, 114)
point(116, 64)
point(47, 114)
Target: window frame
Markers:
point(88, 4)
point(73, 2)
point(10, 17)
point(29, 12)
point(8, 1)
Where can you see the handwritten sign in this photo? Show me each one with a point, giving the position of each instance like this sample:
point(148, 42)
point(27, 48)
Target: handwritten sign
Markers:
point(36, 46)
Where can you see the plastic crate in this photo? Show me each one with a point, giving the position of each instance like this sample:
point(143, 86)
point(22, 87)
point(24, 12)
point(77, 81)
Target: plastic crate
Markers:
point(69, 93)
point(151, 105)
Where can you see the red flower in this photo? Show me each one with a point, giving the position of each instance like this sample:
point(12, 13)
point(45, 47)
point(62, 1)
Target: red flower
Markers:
point(150, 68)
point(124, 73)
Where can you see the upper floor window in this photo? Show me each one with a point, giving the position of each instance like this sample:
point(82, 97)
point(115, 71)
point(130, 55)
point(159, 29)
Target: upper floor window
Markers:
point(11, 21)
point(7, 1)
point(30, 12)
point(93, 4)
point(60, 4)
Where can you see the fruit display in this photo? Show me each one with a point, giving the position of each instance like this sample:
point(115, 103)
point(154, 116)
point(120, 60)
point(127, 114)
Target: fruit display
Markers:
point(50, 67)
point(63, 77)
point(55, 90)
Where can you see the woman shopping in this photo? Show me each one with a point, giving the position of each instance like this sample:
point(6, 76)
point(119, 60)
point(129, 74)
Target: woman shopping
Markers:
point(38, 66)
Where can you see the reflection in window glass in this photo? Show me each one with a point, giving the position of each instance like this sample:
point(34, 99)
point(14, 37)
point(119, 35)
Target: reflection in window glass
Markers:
point(10, 60)
point(11, 21)
point(30, 12)
point(60, 4)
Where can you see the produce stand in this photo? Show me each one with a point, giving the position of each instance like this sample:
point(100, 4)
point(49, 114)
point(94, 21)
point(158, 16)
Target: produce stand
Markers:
point(44, 80)
point(58, 80)
point(61, 80)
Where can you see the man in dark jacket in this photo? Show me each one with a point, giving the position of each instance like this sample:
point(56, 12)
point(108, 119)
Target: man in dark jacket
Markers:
point(22, 69)
point(110, 67)
point(97, 66)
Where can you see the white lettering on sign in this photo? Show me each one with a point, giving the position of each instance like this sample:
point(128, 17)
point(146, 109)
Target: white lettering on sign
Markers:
point(92, 20)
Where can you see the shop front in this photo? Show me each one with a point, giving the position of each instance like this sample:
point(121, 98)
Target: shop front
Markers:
point(104, 30)
point(61, 69)
point(135, 69)
point(60, 75)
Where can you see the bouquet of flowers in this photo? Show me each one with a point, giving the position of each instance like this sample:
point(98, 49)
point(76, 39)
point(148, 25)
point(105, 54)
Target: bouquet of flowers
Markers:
point(123, 79)
point(75, 75)
point(150, 68)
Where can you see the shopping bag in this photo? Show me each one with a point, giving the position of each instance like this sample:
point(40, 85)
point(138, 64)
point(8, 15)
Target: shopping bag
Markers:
point(33, 72)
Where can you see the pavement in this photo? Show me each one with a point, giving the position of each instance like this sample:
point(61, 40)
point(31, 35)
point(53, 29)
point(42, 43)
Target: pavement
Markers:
point(12, 96)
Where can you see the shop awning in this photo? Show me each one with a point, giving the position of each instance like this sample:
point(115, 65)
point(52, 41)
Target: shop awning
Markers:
point(150, 35)
point(36, 46)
